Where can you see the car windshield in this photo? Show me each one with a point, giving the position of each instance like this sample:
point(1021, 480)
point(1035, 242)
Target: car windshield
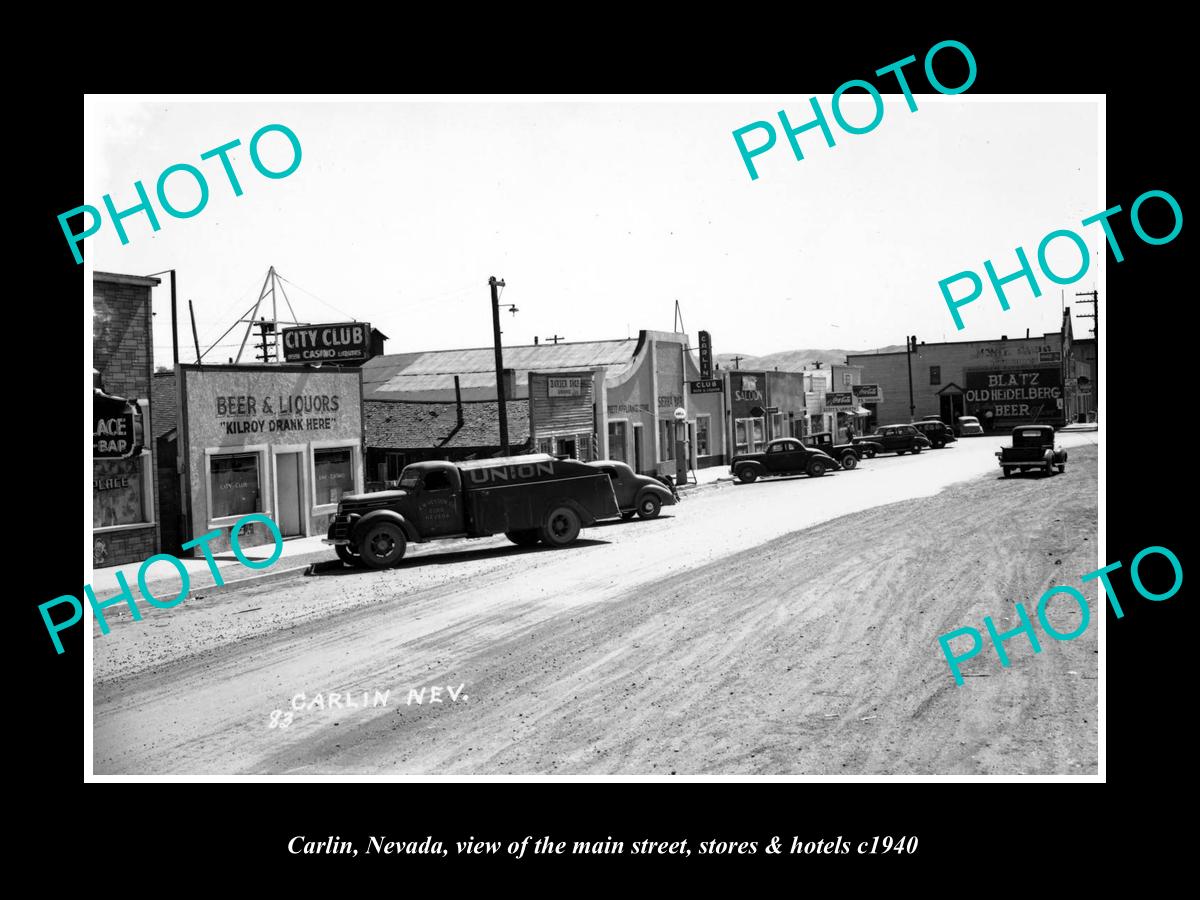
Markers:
point(410, 478)
point(969, 420)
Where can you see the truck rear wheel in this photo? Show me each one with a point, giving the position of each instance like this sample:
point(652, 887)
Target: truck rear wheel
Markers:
point(849, 461)
point(525, 537)
point(561, 528)
point(348, 556)
point(383, 545)
point(747, 474)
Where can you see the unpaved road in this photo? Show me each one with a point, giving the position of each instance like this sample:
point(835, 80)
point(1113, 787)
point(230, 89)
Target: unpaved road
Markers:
point(746, 631)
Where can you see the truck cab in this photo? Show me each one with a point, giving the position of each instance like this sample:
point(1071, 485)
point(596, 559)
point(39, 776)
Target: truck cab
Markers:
point(1034, 449)
point(528, 498)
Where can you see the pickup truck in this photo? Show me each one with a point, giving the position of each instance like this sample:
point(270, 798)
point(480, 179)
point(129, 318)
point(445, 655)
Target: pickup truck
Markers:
point(527, 498)
point(1033, 449)
point(847, 455)
point(783, 456)
point(898, 439)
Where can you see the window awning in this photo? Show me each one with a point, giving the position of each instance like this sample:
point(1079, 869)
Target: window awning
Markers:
point(862, 411)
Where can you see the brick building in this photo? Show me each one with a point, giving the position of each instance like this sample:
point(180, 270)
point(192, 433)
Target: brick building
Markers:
point(125, 513)
point(1004, 383)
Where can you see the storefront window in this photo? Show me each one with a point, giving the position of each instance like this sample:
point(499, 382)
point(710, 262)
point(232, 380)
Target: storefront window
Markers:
point(666, 431)
point(616, 441)
point(117, 492)
point(756, 426)
point(235, 482)
point(739, 431)
point(335, 474)
point(702, 435)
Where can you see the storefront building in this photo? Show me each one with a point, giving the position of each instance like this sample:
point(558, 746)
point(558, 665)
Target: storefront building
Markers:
point(1004, 383)
point(281, 440)
point(562, 410)
point(617, 398)
point(399, 432)
point(124, 502)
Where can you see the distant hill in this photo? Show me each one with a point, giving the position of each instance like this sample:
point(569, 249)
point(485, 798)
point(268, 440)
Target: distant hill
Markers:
point(796, 360)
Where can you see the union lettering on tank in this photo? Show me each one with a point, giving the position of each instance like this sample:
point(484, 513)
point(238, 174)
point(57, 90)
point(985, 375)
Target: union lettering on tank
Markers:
point(511, 473)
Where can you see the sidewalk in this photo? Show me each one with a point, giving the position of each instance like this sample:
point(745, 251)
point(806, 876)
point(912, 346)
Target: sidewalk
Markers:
point(706, 476)
point(296, 553)
point(1081, 426)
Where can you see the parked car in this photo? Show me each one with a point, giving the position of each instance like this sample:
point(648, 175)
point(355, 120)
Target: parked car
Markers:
point(968, 426)
point(783, 456)
point(1033, 449)
point(898, 439)
point(846, 455)
point(939, 433)
point(529, 498)
point(637, 495)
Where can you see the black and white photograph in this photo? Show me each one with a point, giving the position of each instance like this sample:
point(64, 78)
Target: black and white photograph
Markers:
point(664, 436)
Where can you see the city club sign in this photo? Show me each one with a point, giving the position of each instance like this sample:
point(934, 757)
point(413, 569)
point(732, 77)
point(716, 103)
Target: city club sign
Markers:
point(337, 343)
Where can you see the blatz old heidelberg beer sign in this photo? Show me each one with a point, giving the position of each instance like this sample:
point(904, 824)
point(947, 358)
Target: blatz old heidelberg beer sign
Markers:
point(338, 343)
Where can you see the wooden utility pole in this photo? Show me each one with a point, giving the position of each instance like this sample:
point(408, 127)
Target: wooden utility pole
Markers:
point(494, 283)
point(911, 342)
point(1095, 314)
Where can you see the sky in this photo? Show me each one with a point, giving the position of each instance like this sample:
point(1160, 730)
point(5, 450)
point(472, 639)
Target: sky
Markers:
point(599, 216)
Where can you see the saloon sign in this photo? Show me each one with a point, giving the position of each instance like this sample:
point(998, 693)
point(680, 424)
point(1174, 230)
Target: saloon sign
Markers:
point(116, 427)
point(338, 343)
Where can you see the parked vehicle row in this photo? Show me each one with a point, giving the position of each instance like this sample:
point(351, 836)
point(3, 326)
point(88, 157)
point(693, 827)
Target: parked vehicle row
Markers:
point(538, 498)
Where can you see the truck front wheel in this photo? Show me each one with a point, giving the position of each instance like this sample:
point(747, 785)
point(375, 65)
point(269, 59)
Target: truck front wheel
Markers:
point(383, 545)
point(526, 537)
point(346, 555)
point(561, 528)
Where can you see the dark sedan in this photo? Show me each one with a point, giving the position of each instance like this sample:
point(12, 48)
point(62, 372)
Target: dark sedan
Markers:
point(898, 439)
point(637, 495)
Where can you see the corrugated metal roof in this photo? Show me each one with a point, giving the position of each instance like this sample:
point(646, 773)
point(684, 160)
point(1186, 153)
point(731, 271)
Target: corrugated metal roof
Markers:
point(406, 374)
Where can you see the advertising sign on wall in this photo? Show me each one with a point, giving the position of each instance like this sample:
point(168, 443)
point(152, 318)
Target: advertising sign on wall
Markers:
point(340, 342)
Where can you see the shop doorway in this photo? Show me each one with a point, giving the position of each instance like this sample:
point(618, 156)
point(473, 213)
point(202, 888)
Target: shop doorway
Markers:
point(952, 408)
point(566, 447)
point(637, 448)
point(290, 493)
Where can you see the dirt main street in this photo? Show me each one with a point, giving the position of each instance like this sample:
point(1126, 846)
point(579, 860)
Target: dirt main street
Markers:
point(703, 642)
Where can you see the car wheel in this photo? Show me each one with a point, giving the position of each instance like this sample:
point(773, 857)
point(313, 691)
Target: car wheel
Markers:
point(561, 528)
point(816, 468)
point(939, 445)
point(649, 507)
point(901, 452)
point(346, 555)
point(747, 474)
point(916, 450)
point(849, 461)
point(628, 515)
point(383, 545)
point(870, 454)
point(525, 537)
point(1048, 469)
